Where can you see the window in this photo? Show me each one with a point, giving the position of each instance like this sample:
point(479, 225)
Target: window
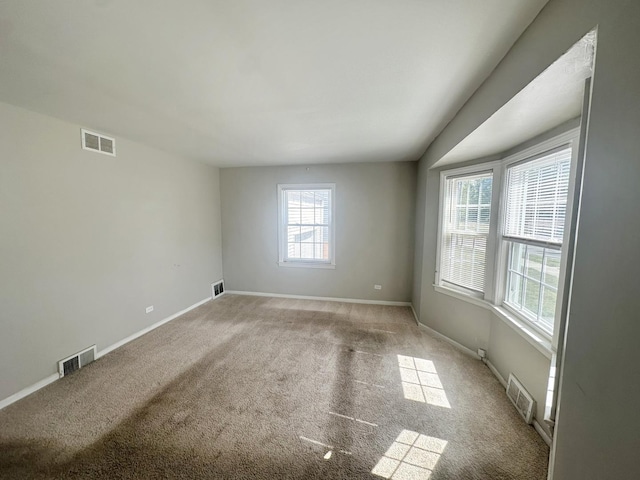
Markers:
point(465, 228)
point(536, 204)
point(306, 233)
point(502, 232)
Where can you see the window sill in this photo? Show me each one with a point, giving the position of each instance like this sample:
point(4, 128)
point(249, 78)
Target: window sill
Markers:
point(330, 266)
point(540, 343)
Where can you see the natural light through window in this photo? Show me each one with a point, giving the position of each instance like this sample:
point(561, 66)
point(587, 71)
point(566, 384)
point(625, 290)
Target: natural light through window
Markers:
point(412, 456)
point(420, 381)
point(536, 205)
point(465, 227)
point(306, 224)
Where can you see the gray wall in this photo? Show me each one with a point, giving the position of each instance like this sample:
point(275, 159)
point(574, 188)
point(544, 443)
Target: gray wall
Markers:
point(597, 434)
point(374, 223)
point(88, 241)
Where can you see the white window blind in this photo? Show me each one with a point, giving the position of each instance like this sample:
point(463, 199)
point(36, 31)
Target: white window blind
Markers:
point(465, 228)
point(306, 223)
point(537, 198)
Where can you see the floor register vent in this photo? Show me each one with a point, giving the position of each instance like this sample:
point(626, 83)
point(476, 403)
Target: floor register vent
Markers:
point(77, 361)
point(217, 289)
point(522, 399)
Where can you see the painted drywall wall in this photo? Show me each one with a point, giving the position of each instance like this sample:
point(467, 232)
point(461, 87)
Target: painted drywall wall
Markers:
point(596, 434)
point(374, 231)
point(88, 241)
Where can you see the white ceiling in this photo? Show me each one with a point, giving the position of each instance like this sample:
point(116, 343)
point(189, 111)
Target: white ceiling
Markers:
point(552, 98)
point(257, 82)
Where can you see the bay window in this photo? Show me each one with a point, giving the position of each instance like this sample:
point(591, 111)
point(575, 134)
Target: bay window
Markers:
point(502, 232)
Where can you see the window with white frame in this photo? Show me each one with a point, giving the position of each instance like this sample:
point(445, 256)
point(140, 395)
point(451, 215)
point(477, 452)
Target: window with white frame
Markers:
point(465, 229)
point(536, 204)
point(502, 231)
point(306, 230)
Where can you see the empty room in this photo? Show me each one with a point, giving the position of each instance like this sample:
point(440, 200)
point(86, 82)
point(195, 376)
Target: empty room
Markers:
point(315, 240)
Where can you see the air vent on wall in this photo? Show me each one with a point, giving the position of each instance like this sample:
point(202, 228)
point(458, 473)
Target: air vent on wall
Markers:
point(98, 143)
point(77, 361)
point(217, 289)
point(522, 399)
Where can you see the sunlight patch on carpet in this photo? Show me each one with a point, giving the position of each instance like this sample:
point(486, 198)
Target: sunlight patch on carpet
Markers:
point(420, 381)
point(412, 456)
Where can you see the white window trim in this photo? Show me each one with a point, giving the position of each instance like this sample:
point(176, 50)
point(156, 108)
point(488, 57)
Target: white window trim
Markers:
point(497, 251)
point(282, 238)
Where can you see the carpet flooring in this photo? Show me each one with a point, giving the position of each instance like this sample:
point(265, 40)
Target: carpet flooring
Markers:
point(255, 387)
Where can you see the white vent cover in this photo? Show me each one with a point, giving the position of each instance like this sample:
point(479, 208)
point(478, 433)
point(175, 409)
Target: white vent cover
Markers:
point(98, 142)
point(217, 289)
point(77, 361)
point(522, 399)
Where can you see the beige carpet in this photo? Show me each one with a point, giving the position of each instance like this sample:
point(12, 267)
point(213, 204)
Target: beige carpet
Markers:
point(254, 387)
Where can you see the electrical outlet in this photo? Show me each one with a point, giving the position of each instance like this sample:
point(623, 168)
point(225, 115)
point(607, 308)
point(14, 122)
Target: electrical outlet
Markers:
point(149, 309)
point(482, 353)
point(377, 287)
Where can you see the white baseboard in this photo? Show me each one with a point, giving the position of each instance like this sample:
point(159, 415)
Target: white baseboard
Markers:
point(326, 299)
point(52, 378)
point(415, 315)
point(28, 391)
point(545, 436)
point(459, 346)
point(496, 373)
point(149, 328)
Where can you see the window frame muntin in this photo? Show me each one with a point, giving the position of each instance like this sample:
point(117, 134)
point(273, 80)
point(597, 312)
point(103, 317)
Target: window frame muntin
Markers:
point(283, 260)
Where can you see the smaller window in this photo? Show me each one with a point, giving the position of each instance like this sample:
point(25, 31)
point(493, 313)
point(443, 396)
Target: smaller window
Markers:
point(306, 230)
point(465, 229)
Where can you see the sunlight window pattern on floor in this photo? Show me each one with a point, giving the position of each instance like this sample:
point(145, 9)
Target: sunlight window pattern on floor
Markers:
point(420, 381)
point(411, 457)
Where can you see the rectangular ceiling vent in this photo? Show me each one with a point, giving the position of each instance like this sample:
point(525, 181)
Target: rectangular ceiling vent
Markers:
point(217, 289)
point(522, 399)
point(77, 361)
point(98, 142)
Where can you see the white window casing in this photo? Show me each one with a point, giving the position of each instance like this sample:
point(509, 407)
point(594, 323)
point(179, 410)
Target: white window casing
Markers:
point(306, 225)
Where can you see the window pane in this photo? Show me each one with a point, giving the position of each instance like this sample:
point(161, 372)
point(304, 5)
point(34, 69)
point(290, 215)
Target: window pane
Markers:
point(306, 250)
point(533, 262)
point(294, 215)
point(514, 290)
point(518, 252)
point(531, 297)
point(485, 191)
point(321, 251)
point(549, 297)
point(293, 250)
point(293, 234)
point(307, 199)
point(307, 216)
point(321, 215)
point(551, 273)
point(306, 234)
point(523, 292)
